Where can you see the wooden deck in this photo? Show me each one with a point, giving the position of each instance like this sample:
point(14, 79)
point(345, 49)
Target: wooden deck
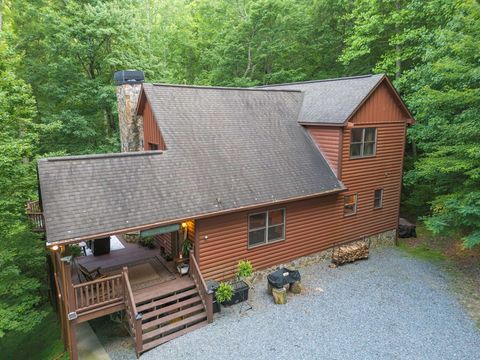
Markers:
point(159, 304)
point(113, 262)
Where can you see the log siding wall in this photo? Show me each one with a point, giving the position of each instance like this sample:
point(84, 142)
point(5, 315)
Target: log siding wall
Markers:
point(151, 132)
point(327, 138)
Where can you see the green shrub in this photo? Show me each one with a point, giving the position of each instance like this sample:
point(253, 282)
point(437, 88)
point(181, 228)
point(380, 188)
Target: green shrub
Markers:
point(224, 292)
point(244, 269)
point(148, 241)
point(186, 247)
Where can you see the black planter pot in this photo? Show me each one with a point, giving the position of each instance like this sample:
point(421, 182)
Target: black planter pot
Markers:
point(240, 293)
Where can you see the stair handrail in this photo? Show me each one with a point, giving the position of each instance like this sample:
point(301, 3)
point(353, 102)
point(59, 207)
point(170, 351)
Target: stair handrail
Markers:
point(136, 316)
point(205, 293)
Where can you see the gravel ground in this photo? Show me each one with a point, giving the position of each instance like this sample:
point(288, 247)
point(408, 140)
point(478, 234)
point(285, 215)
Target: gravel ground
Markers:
point(390, 307)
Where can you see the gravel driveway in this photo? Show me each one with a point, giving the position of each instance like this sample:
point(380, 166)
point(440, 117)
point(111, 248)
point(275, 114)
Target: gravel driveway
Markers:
point(388, 307)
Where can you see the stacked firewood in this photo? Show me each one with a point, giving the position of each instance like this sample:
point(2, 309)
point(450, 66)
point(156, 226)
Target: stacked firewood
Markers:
point(349, 253)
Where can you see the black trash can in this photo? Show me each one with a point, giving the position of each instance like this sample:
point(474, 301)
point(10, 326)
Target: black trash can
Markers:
point(213, 285)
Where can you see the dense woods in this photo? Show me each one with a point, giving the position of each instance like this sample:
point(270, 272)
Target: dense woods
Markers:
point(57, 95)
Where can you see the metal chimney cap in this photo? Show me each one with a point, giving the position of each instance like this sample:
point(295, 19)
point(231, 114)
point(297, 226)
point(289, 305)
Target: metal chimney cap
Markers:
point(129, 77)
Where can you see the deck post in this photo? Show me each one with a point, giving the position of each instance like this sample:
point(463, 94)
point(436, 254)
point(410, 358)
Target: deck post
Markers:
point(70, 308)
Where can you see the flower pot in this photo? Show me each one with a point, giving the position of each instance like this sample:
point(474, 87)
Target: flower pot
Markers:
point(240, 293)
point(183, 269)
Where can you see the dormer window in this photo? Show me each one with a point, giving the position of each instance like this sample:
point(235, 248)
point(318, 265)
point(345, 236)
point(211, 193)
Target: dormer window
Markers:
point(363, 142)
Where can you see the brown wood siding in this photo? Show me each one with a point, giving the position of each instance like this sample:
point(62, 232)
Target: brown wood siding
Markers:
point(328, 141)
point(165, 241)
point(151, 132)
point(381, 107)
point(311, 225)
point(383, 111)
point(384, 170)
point(191, 230)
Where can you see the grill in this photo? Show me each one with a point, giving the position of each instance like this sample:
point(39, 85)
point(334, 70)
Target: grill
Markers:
point(282, 277)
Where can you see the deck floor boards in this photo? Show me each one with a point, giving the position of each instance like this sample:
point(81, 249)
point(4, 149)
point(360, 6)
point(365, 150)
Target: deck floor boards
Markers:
point(113, 262)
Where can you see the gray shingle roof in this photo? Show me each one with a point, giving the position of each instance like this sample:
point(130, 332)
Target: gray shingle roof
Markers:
point(331, 101)
point(227, 149)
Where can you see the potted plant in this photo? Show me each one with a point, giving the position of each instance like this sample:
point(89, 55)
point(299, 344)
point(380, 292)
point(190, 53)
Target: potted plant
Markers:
point(244, 269)
point(239, 285)
point(186, 247)
point(224, 293)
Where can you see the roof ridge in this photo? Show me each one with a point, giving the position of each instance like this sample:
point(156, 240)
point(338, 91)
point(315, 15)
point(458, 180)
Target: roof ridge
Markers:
point(321, 80)
point(221, 87)
point(103, 156)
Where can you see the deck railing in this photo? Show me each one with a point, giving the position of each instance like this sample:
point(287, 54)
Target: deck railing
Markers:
point(35, 214)
point(133, 317)
point(205, 294)
point(98, 293)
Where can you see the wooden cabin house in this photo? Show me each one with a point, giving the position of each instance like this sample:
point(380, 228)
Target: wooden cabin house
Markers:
point(267, 174)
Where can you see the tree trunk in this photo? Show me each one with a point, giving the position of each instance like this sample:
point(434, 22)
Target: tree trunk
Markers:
point(111, 125)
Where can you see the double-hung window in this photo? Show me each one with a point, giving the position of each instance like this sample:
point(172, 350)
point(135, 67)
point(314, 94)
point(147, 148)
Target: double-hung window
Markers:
point(266, 227)
point(363, 142)
point(350, 204)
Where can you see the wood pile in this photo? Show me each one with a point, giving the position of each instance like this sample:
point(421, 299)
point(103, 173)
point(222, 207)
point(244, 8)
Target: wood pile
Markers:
point(350, 253)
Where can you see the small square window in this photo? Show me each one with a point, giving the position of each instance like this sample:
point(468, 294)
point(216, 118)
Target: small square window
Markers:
point(378, 199)
point(350, 204)
point(152, 146)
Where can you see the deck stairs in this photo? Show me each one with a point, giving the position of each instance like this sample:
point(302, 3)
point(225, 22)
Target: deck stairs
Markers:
point(167, 315)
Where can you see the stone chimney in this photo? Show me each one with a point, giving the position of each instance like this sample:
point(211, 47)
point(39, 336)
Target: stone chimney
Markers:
point(129, 83)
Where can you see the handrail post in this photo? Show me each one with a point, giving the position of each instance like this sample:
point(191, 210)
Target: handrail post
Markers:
point(138, 334)
point(136, 317)
point(205, 293)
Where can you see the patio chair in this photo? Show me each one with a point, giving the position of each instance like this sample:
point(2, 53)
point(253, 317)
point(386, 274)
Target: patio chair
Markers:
point(91, 275)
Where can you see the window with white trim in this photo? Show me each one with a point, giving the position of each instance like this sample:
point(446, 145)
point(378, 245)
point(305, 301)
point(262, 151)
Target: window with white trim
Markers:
point(363, 142)
point(266, 227)
point(378, 199)
point(350, 204)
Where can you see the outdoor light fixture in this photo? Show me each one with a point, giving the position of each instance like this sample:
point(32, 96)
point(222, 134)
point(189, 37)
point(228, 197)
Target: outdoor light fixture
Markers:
point(184, 225)
point(54, 247)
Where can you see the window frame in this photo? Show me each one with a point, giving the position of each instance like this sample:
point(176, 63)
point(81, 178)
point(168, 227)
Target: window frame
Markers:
point(266, 227)
point(382, 191)
point(362, 143)
point(153, 146)
point(356, 204)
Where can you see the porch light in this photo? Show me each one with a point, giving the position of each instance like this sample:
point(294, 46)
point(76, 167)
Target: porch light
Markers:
point(54, 247)
point(184, 225)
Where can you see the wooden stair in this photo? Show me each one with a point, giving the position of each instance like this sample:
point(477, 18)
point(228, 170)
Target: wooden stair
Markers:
point(167, 315)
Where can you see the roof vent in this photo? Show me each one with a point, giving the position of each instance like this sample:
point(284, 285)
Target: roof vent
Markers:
point(129, 77)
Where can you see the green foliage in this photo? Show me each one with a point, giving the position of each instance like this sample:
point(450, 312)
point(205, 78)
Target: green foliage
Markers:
point(42, 343)
point(444, 92)
point(224, 292)
point(148, 241)
point(244, 269)
point(21, 252)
